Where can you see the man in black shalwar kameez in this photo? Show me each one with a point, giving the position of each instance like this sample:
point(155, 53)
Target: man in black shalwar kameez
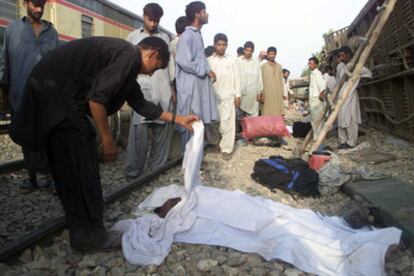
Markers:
point(89, 77)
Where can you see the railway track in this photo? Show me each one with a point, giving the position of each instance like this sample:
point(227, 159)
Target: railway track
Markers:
point(53, 256)
point(11, 166)
point(45, 231)
point(4, 129)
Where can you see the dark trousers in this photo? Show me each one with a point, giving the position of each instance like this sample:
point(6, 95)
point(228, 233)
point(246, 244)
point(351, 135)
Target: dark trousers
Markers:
point(35, 162)
point(74, 163)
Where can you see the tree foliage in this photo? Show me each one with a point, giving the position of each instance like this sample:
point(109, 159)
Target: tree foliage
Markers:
point(321, 55)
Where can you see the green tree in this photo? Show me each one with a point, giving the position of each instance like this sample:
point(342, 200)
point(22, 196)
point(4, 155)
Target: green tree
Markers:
point(305, 72)
point(321, 55)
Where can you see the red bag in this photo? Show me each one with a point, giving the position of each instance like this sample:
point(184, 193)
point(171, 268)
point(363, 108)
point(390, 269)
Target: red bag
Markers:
point(263, 126)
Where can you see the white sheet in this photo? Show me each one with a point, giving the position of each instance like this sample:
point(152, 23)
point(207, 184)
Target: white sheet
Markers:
point(205, 215)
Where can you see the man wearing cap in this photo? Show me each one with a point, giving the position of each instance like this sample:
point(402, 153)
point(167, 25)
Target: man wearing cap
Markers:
point(26, 41)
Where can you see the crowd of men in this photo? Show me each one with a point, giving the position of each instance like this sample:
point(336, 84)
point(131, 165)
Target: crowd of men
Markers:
point(164, 81)
point(321, 86)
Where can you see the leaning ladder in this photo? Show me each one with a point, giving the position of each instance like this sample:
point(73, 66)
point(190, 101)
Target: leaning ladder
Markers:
point(354, 67)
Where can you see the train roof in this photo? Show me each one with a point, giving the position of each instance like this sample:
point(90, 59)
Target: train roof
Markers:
point(361, 15)
point(89, 4)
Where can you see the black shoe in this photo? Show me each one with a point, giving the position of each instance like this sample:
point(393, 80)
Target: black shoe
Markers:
point(130, 178)
point(45, 181)
point(113, 241)
point(28, 184)
point(226, 156)
point(324, 148)
point(242, 142)
point(282, 142)
point(328, 148)
point(344, 146)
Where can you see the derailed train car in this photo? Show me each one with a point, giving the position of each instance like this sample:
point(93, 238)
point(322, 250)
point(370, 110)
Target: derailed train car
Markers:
point(387, 100)
point(75, 19)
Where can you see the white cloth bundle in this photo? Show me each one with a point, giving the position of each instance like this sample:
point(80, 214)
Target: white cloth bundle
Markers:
point(205, 215)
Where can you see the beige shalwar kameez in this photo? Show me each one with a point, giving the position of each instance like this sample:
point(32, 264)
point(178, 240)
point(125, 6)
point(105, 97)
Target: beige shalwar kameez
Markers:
point(273, 89)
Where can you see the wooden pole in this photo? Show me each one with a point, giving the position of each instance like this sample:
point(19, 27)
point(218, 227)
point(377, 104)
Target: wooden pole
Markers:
point(339, 85)
point(389, 7)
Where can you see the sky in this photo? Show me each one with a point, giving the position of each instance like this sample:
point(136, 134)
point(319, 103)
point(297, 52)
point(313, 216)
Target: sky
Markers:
point(294, 27)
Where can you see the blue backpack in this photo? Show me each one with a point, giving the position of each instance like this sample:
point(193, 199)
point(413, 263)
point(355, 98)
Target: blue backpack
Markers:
point(289, 175)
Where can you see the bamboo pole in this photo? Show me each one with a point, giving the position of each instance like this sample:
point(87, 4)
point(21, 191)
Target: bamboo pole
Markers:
point(387, 10)
point(339, 85)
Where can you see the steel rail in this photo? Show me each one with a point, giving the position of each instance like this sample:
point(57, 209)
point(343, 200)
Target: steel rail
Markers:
point(11, 166)
point(4, 129)
point(57, 224)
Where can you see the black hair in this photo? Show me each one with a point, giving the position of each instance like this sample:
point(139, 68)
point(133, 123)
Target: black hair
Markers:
point(37, 2)
point(220, 36)
point(156, 43)
point(240, 50)
point(327, 68)
point(180, 24)
point(314, 59)
point(285, 70)
point(154, 11)
point(248, 44)
point(272, 49)
point(193, 8)
point(346, 50)
point(209, 50)
point(333, 55)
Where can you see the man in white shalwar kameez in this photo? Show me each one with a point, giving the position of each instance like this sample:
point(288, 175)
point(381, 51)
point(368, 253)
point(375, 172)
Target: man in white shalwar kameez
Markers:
point(329, 79)
point(286, 92)
point(317, 89)
point(227, 92)
point(350, 115)
point(156, 89)
point(251, 82)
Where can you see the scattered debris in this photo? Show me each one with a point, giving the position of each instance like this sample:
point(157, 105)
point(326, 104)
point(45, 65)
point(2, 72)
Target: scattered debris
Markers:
point(373, 158)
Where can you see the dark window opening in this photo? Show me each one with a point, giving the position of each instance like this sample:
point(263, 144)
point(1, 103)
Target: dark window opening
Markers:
point(2, 31)
point(87, 26)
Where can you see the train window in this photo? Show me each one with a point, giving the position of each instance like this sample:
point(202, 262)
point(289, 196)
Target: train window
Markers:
point(2, 31)
point(8, 9)
point(87, 26)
